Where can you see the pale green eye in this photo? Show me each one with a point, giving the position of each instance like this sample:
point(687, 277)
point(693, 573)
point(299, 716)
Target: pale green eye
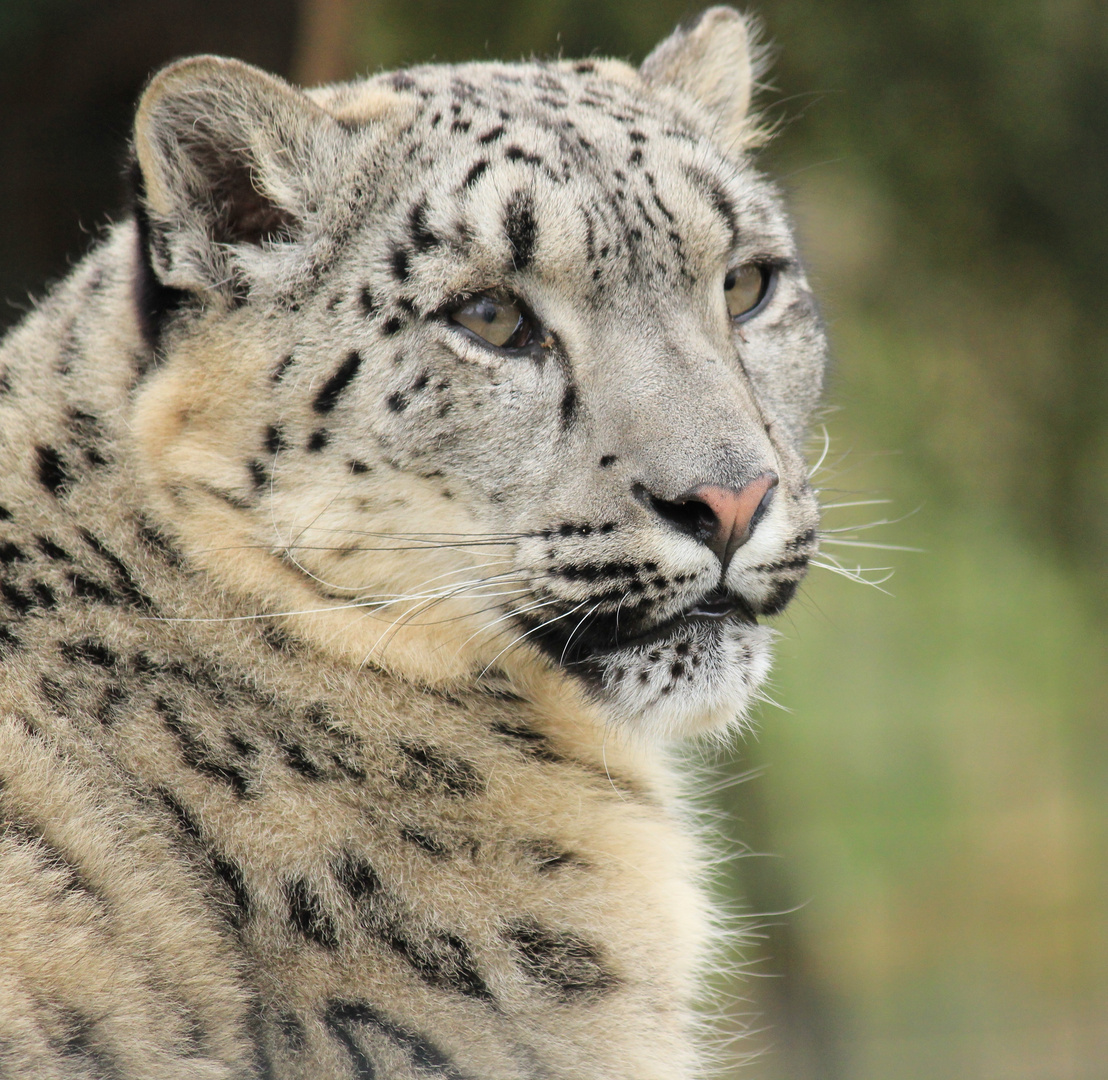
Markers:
point(495, 319)
point(746, 288)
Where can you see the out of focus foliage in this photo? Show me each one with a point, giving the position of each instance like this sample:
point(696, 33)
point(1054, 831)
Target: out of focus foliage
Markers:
point(975, 137)
point(935, 796)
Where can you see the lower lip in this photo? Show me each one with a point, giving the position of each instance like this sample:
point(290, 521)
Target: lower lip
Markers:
point(711, 615)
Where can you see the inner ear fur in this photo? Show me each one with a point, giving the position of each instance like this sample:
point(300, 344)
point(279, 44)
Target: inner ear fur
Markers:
point(226, 147)
point(716, 60)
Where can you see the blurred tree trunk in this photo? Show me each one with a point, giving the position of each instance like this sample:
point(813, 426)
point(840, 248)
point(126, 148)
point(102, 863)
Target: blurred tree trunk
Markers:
point(71, 72)
point(323, 52)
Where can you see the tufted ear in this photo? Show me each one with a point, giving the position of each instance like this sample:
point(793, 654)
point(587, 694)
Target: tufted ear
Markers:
point(226, 155)
point(715, 60)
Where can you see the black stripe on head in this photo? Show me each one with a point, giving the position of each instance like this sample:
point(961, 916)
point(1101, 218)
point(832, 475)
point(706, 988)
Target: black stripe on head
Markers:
point(521, 228)
point(570, 406)
point(332, 389)
point(475, 172)
point(719, 199)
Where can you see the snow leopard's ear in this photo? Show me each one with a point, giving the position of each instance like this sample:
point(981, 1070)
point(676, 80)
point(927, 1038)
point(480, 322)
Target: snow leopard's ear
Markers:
point(226, 147)
point(716, 60)
point(229, 163)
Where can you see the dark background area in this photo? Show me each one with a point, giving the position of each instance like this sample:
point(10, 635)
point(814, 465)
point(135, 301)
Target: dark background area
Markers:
point(935, 796)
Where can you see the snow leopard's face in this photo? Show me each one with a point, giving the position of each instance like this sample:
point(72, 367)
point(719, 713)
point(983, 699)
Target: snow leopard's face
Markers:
point(498, 361)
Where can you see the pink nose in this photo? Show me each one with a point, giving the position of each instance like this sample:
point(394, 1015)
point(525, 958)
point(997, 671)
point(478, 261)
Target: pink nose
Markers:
point(736, 512)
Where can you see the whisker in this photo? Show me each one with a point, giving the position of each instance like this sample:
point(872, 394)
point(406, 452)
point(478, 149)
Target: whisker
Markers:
point(823, 453)
point(507, 615)
point(868, 544)
point(732, 781)
point(588, 614)
point(425, 603)
point(535, 629)
point(856, 502)
point(857, 574)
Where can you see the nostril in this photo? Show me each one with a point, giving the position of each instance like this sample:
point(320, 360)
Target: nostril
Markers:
point(689, 515)
point(722, 518)
point(762, 507)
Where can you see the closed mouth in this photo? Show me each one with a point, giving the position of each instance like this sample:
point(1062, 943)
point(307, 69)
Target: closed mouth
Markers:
point(716, 607)
point(583, 645)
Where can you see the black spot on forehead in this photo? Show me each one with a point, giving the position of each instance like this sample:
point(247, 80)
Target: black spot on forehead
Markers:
point(423, 239)
point(281, 368)
point(521, 228)
point(400, 261)
point(475, 172)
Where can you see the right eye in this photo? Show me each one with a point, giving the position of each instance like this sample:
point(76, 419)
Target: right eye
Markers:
point(496, 319)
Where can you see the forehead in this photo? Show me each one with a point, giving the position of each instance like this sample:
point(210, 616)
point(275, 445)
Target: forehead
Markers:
point(551, 164)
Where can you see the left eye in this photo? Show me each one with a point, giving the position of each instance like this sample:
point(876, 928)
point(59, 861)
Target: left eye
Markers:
point(495, 318)
point(747, 289)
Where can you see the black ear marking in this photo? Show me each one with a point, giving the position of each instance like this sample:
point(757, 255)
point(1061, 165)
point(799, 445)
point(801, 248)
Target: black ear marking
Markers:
point(155, 301)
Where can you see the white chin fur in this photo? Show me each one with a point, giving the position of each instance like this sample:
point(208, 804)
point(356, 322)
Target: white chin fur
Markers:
point(673, 696)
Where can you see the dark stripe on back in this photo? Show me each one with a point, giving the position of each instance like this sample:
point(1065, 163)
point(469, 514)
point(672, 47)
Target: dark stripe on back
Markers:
point(563, 963)
point(343, 1018)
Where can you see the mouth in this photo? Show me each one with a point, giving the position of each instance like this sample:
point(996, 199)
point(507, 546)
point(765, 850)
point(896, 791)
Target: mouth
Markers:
point(599, 636)
point(712, 609)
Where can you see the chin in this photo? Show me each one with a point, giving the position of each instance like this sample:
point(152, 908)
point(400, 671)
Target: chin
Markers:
point(701, 677)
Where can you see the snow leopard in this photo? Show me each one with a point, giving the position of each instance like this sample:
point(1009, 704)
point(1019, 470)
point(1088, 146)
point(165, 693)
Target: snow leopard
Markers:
point(381, 501)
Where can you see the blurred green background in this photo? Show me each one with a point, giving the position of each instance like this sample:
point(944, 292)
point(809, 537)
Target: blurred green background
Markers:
point(933, 791)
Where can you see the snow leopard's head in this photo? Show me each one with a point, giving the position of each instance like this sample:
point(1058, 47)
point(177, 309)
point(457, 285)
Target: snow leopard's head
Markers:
point(490, 367)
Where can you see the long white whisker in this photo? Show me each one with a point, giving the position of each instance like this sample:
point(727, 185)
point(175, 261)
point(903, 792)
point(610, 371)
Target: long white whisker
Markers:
point(856, 502)
point(856, 575)
point(508, 615)
point(867, 544)
point(533, 630)
point(823, 454)
point(584, 619)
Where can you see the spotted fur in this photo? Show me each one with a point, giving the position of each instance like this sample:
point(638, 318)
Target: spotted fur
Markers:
point(338, 647)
